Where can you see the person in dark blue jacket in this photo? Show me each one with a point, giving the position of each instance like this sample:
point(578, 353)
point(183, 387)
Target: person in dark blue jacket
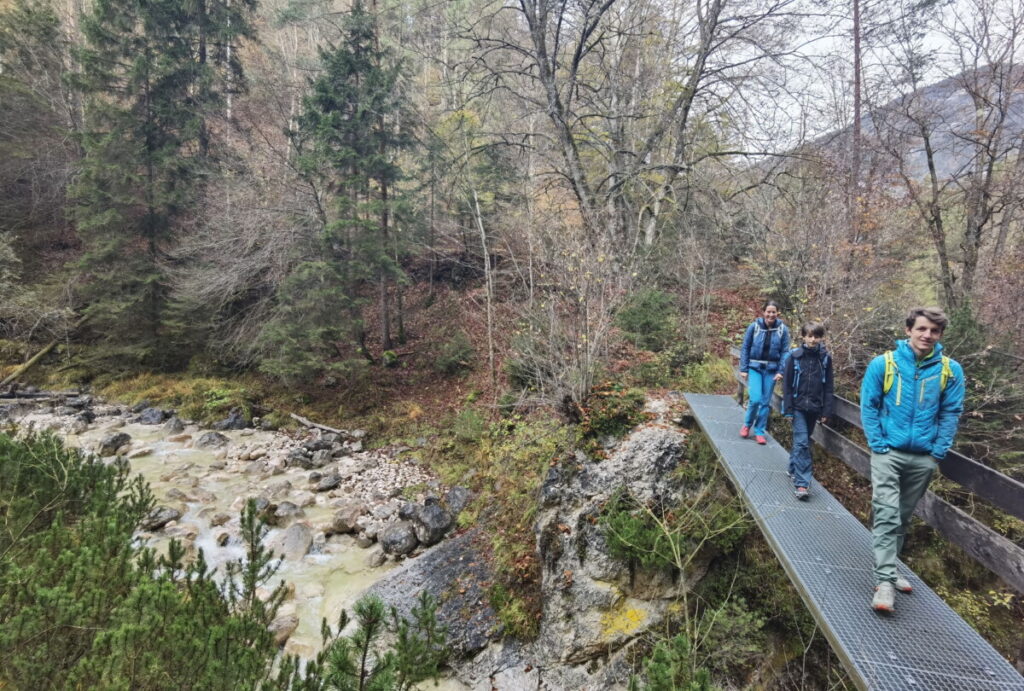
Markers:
point(910, 404)
point(764, 343)
point(807, 398)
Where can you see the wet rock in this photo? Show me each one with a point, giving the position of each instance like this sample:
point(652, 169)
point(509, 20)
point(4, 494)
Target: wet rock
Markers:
point(286, 512)
point(109, 445)
point(79, 402)
point(219, 519)
point(180, 438)
point(203, 496)
point(297, 459)
point(159, 517)
point(257, 453)
point(347, 516)
point(382, 512)
point(303, 498)
point(218, 465)
point(363, 540)
point(376, 558)
point(399, 538)
point(174, 426)
point(321, 458)
point(86, 416)
point(223, 539)
point(293, 542)
point(328, 482)
point(283, 627)
point(152, 416)
point(212, 440)
point(140, 406)
point(432, 522)
point(175, 494)
point(78, 427)
point(314, 445)
point(279, 489)
point(140, 452)
point(234, 420)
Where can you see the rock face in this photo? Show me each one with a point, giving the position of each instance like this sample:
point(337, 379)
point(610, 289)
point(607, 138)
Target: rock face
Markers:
point(593, 605)
point(456, 574)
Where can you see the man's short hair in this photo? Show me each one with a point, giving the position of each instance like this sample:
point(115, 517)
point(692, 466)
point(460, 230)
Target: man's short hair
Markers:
point(813, 329)
point(932, 314)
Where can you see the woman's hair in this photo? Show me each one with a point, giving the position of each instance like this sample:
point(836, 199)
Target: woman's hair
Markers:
point(770, 303)
point(813, 329)
point(932, 314)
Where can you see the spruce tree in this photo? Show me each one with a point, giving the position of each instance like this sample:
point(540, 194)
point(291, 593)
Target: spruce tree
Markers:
point(348, 137)
point(153, 74)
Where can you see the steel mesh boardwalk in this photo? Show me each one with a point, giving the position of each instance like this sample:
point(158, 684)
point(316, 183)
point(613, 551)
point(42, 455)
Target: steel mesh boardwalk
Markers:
point(923, 645)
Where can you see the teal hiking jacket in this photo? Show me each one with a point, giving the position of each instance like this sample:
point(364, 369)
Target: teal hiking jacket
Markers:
point(916, 415)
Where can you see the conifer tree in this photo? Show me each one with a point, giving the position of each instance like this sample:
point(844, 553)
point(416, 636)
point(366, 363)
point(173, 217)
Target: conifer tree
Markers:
point(153, 73)
point(348, 135)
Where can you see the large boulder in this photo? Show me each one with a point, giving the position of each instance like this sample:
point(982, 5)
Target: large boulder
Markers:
point(212, 440)
point(457, 575)
point(432, 522)
point(159, 517)
point(328, 482)
point(346, 516)
point(152, 416)
point(456, 499)
point(174, 425)
point(399, 538)
point(234, 420)
point(109, 445)
point(293, 543)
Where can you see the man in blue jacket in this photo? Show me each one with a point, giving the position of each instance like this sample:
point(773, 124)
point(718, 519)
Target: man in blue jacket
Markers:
point(910, 404)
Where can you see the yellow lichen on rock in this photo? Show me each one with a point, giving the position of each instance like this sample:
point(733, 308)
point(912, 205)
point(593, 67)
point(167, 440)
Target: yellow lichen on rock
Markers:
point(622, 620)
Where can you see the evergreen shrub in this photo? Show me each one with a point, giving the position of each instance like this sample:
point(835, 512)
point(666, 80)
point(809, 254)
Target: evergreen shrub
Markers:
point(648, 319)
point(454, 355)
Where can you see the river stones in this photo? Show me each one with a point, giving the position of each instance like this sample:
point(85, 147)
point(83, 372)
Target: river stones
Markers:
point(152, 416)
point(211, 440)
point(159, 517)
point(109, 445)
point(398, 539)
point(293, 543)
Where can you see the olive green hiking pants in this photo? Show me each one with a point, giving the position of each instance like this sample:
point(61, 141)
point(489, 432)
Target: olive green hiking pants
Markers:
point(898, 481)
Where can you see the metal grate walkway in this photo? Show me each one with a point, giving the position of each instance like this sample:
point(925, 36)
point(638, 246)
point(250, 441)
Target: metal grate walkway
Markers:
point(922, 646)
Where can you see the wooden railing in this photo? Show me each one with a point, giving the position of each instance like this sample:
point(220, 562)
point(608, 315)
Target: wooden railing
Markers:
point(999, 555)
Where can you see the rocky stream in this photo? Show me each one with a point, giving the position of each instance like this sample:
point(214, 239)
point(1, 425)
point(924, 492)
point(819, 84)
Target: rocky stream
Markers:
point(348, 520)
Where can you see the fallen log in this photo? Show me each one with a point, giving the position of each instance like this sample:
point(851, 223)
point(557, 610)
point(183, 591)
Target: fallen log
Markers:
point(309, 423)
point(37, 357)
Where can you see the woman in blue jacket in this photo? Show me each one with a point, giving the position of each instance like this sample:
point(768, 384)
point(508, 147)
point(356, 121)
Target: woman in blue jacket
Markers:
point(764, 344)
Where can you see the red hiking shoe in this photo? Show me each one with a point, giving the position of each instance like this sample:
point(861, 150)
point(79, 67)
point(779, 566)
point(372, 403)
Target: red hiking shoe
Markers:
point(744, 431)
point(760, 440)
